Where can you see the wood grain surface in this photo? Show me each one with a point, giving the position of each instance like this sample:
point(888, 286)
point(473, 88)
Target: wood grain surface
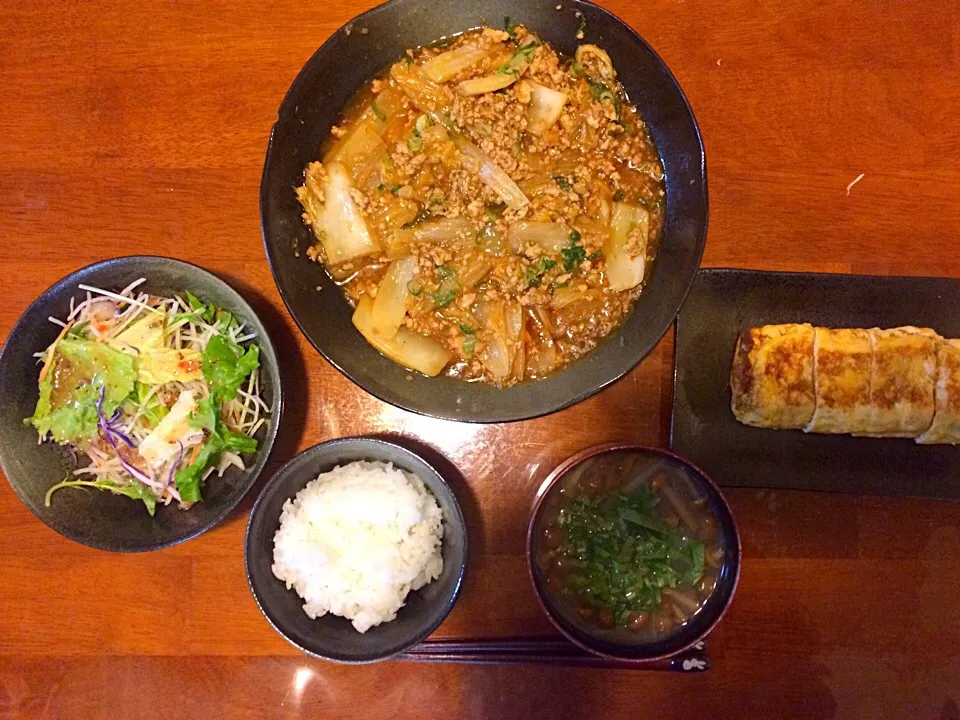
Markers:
point(140, 127)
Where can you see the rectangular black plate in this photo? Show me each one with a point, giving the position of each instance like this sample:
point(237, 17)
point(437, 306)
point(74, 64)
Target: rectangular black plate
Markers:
point(704, 430)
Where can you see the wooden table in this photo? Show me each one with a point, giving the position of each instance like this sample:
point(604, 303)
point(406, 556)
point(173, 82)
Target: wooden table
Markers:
point(140, 127)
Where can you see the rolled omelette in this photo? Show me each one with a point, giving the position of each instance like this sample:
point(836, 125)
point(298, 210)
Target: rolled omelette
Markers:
point(945, 427)
point(772, 376)
point(901, 382)
point(842, 361)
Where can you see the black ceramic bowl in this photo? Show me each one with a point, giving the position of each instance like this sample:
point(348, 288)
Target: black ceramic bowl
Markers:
point(100, 519)
point(332, 637)
point(605, 643)
point(362, 49)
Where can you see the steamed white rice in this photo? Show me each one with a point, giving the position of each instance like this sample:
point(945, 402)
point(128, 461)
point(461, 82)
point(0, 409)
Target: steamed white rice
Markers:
point(356, 540)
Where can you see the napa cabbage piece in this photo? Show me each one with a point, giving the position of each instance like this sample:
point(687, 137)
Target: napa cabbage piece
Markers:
point(563, 296)
point(449, 231)
point(496, 356)
point(429, 98)
point(446, 65)
point(551, 237)
point(455, 232)
point(426, 94)
point(472, 269)
point(389, 307)
point(410, 349)
point(334, 215)
point(361, 144)
point(385, 110)
point(476, 161)
point(397, 243)
point(505, 76)
point(364, 152)
point(626, 247)
point(502, 323)
point(545, 108)
point(596, 62)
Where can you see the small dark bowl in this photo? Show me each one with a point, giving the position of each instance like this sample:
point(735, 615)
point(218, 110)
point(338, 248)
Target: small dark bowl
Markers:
point(332, 637)
point(362, 49)
point(100, 519)
point(683, 637)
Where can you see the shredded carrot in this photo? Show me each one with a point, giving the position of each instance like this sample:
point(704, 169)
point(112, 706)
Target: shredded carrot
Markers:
point(196, 451)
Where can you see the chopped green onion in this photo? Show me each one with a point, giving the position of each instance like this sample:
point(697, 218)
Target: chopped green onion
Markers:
point(415, 287)
point(535, 271)
point(381, 115)
point(573, 255)
point(602, 93)
point(422, 214)
point(621, 553)
point(445, 294)
point(494, 210)
point(443, 298)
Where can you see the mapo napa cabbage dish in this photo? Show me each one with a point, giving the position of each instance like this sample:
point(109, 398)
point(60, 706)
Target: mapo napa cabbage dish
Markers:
point(490, 208)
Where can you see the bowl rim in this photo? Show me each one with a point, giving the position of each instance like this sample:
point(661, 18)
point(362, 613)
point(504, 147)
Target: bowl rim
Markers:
point(545, 408)
point(263, 455)
point(561, 470)
point(271, 487)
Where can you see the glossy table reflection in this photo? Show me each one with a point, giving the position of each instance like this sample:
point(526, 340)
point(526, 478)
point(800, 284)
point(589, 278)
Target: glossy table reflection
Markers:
point(141, 127)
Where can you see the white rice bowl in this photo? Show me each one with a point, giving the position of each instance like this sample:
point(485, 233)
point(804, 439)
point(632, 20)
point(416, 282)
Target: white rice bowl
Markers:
point(356, 540)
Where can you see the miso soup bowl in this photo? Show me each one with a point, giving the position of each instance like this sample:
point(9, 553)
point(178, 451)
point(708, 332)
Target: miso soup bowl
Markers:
point(682, 637)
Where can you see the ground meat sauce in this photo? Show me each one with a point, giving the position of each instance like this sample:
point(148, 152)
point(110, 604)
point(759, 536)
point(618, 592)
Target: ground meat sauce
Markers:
point(532, 226)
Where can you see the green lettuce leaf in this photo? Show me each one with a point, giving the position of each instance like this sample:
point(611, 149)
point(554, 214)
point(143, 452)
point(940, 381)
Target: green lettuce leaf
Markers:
point(136, 491)
point(67, 407)
point(189, 479)
point(235, 442)
point(207, 414)
point(225, 366)
point(206, 312)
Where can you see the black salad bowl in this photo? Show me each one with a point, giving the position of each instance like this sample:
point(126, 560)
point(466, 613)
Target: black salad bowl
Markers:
point(100, 519)
point(363, 48)
point(331, 637)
